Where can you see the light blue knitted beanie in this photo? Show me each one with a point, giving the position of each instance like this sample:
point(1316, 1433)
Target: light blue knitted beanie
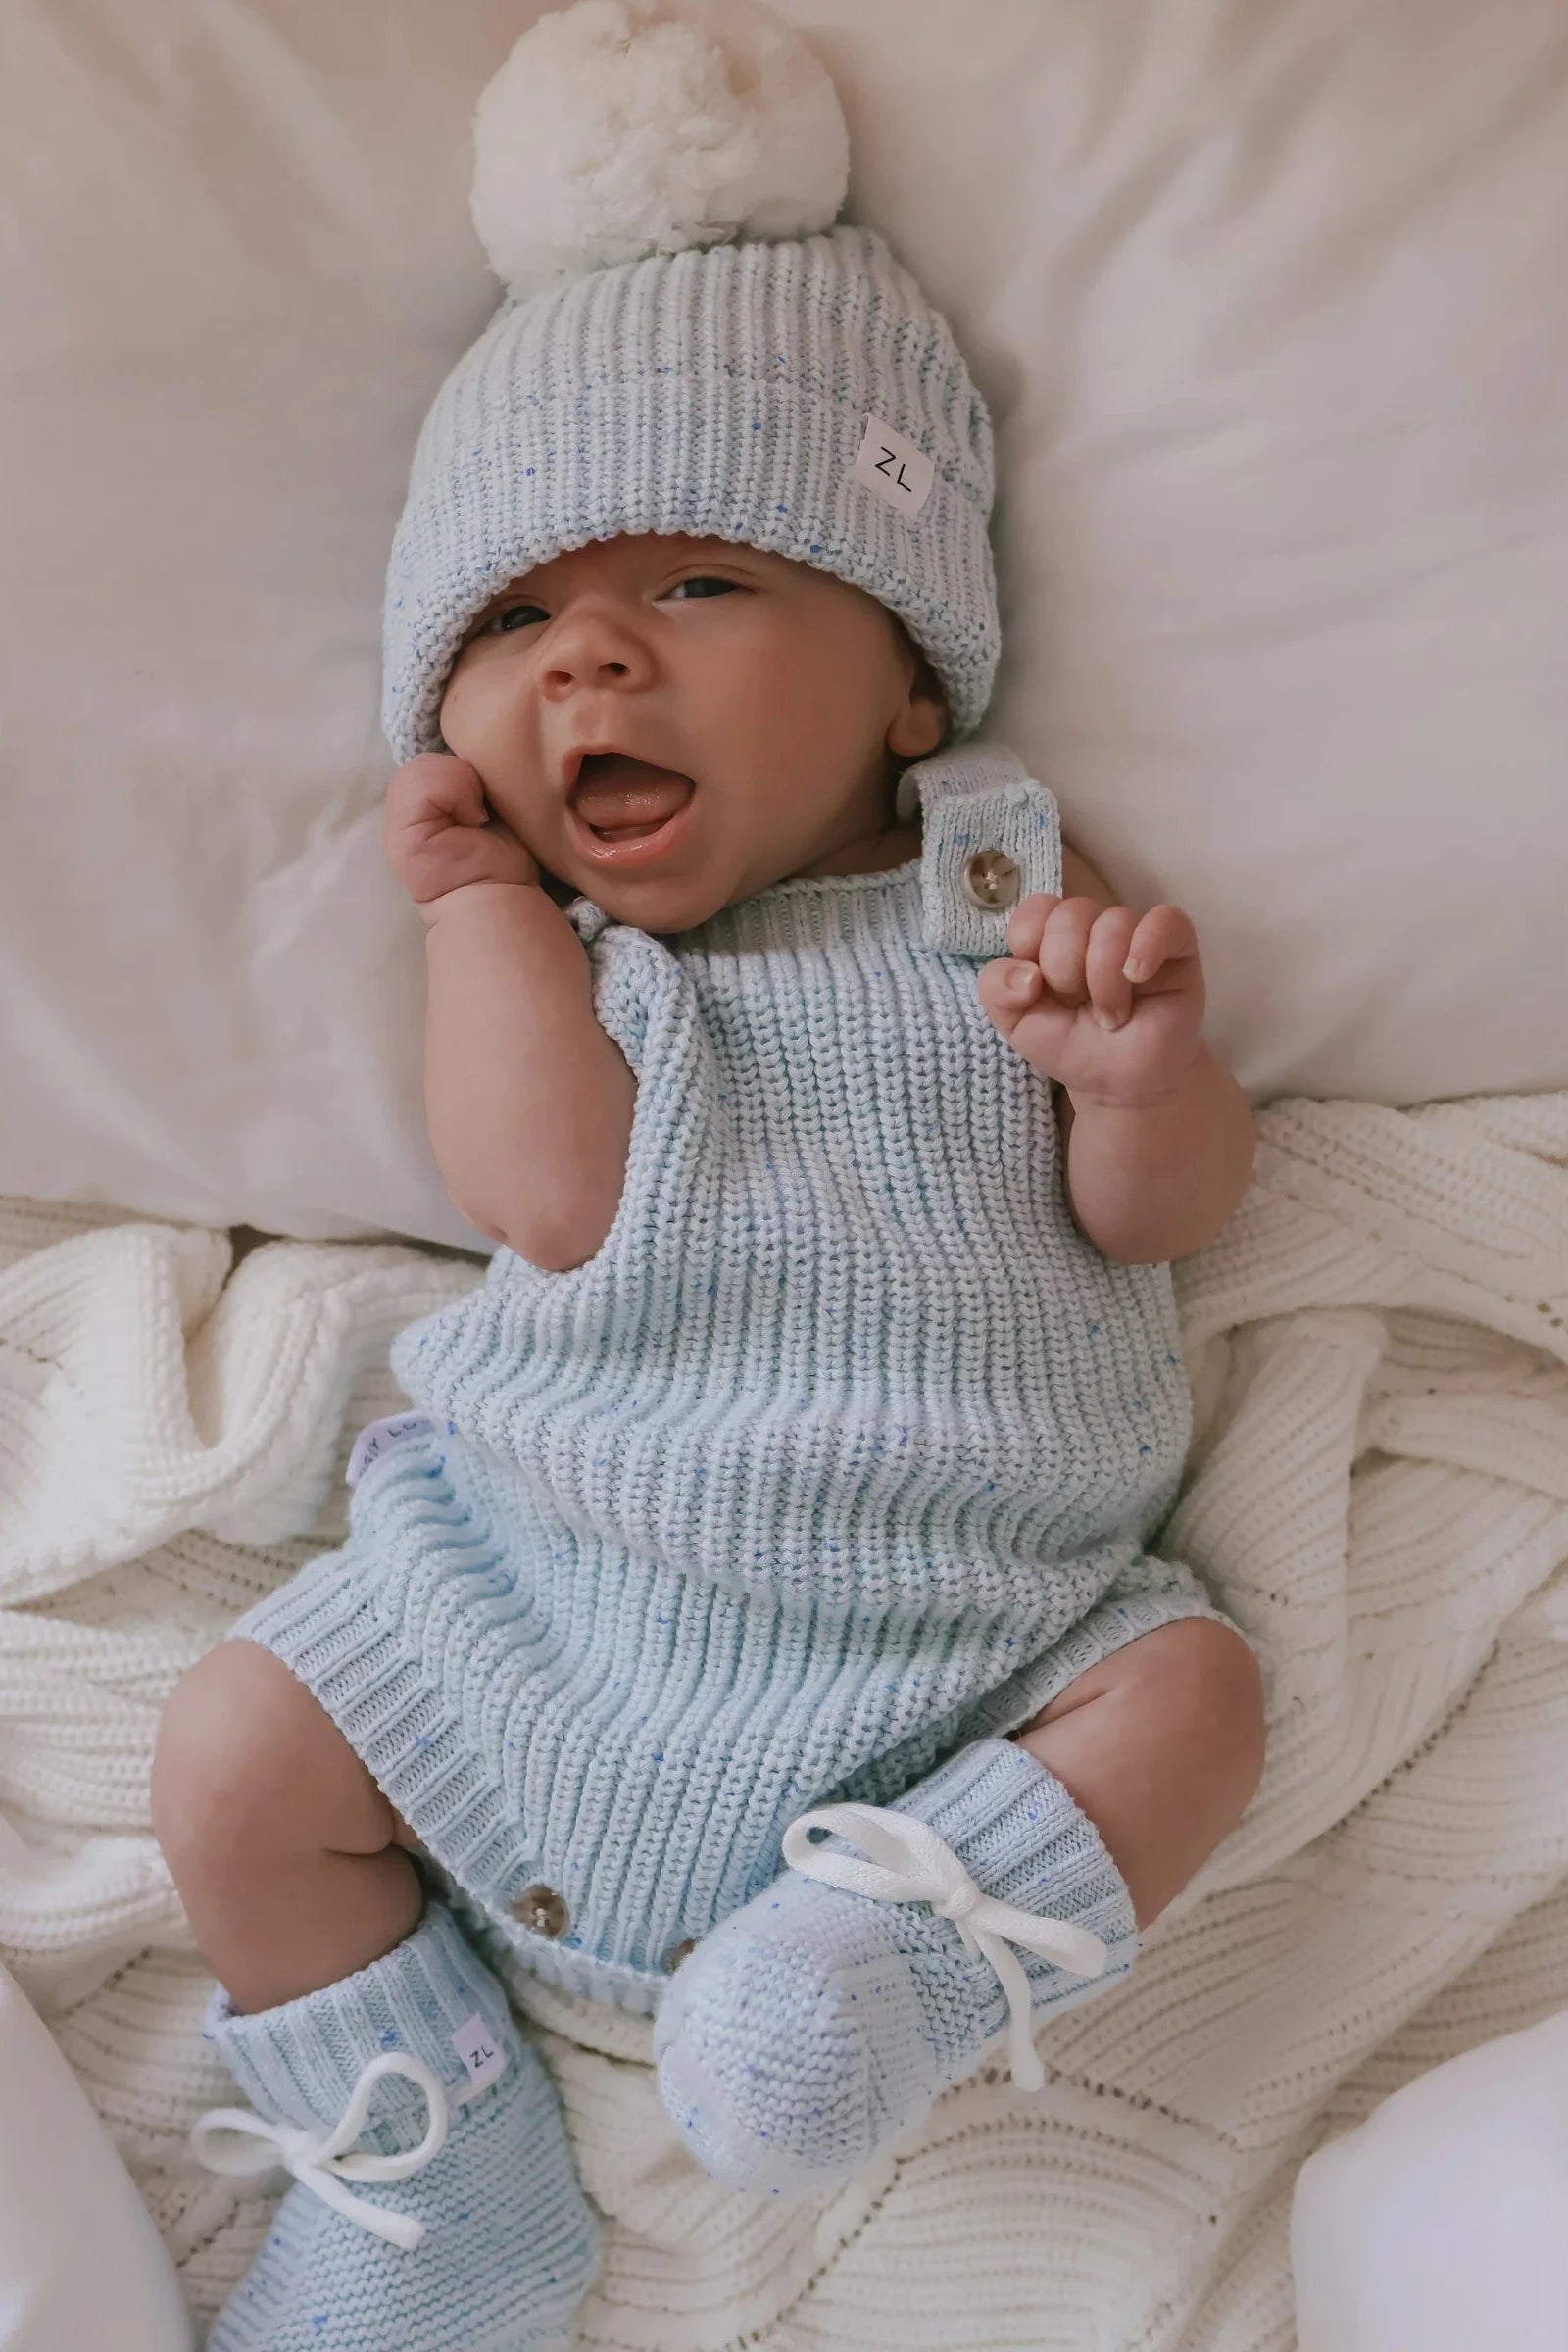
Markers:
point(690, 344)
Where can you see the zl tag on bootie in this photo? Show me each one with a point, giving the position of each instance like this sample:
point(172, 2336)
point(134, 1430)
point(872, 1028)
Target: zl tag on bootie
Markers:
point(380, 1437)
point(892, 466)
point(480, 2052)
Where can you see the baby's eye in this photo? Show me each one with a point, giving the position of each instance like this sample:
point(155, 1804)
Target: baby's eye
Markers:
point(702, 580)
point(521, 615)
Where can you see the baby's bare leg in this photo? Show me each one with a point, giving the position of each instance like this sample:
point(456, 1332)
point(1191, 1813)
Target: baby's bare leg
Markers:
point(283, 1849)
point(1161, 1744)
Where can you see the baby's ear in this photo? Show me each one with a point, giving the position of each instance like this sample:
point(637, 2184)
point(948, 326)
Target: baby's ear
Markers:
point(937, 701)
point(921, 727)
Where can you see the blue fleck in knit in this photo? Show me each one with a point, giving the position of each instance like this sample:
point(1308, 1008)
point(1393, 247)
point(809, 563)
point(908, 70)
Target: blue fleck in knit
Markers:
point(843, 1450)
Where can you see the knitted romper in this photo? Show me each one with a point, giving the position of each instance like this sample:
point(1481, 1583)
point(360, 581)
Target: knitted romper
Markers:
point(842, 1451)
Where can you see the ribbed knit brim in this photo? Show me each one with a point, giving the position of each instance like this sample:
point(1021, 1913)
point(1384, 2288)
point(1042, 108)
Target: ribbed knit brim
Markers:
point(721, 392)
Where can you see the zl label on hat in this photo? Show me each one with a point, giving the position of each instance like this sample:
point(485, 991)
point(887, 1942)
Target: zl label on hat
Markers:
point(894, 467)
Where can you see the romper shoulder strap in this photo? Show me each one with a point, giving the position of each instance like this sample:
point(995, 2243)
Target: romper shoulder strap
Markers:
point(991, 836)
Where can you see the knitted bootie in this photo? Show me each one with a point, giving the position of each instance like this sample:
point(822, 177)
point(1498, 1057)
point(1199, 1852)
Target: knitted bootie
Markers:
point(811, 2029)
point(448, 2215)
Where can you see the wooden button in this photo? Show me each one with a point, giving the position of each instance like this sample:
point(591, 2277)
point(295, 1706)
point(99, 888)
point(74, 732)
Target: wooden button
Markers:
point(542, 1909)
point(679, 1952)
point(991, 878)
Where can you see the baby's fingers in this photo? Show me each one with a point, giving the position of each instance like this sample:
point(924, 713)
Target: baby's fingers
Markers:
point(1111, 992)
point(1064, 947)
point(1027, 922)
point(1007, 990)
point(1163, 940)
point(435, 785)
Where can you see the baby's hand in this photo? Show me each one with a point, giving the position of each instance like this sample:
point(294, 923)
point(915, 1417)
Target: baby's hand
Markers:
point(1106, 1002)
point(439, 832)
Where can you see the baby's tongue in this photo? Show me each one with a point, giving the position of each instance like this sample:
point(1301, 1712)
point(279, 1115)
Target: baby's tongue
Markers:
point(619, 795)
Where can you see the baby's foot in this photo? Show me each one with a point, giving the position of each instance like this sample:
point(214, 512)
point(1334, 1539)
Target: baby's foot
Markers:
point(811, 2029)
point(454, 2218)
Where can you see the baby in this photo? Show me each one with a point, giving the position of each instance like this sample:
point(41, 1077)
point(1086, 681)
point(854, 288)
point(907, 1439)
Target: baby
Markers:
point(751, 1623)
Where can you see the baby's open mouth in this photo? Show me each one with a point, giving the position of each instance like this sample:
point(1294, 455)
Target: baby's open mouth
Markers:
point(619, 800)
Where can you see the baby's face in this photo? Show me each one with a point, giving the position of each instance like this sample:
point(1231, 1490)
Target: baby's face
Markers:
point(758, 701)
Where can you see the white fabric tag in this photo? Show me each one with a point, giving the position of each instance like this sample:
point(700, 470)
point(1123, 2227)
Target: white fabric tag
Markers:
point(480, 2052)
point(379, 1437)
point(894, 467)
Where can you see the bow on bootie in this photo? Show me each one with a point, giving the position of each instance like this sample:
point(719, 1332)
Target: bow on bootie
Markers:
point(323, 2165)
point(911, 1864)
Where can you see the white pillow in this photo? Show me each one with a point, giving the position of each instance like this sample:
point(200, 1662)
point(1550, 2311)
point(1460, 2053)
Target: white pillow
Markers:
point(1273, 320)
point(81, 2267)
point(1440, 2223)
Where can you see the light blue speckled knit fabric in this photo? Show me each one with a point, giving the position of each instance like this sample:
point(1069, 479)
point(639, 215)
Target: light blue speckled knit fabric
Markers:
point(843, 1450)
point(509, 2245)
point(812, 2029)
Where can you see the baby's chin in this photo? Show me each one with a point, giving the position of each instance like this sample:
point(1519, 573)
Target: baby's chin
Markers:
point(664, 904)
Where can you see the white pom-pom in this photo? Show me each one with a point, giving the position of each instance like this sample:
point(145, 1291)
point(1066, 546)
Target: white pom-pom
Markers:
point(624, 127)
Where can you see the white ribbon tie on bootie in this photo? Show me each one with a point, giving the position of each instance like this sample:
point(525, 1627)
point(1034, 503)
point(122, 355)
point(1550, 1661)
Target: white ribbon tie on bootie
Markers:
point(324, 2163)
point(911, 1864)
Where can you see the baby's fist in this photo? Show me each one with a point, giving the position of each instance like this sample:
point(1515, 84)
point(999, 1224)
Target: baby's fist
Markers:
point(1108, 1001)
point(439, 833)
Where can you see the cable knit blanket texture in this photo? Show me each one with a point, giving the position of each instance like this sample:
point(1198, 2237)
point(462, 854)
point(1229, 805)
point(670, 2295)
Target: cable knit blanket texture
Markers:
point(1378, 1492)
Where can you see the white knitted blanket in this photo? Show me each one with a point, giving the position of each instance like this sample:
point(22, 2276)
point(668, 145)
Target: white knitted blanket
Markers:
point(1379, 1491)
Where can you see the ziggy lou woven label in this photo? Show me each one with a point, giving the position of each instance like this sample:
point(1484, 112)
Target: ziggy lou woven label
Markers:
point(379, 1437)
point(480, 2052)
point(894, 467)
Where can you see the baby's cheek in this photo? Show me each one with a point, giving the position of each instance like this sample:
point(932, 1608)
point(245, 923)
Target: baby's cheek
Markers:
point(526, 812)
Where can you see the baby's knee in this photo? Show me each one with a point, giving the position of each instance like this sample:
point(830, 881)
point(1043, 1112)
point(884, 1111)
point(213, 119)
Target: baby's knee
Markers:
point(246, 1759)
point(1207, 1683)
point(1189, 1694)
point(222, 1739)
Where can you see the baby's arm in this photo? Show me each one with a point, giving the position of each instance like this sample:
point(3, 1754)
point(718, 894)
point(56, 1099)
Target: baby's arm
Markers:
point(1159, 1136)
point(528, 1102)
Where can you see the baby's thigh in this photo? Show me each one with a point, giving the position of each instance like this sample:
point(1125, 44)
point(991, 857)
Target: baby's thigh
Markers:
point(1191, 1681)
point(246, 1755)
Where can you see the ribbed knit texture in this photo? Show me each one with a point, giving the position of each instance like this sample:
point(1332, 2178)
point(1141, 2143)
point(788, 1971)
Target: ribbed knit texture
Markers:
point(1378, 1342)
point(844, 1448)
point(509, 2245)
point(721, 392)
point(807, 2035)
